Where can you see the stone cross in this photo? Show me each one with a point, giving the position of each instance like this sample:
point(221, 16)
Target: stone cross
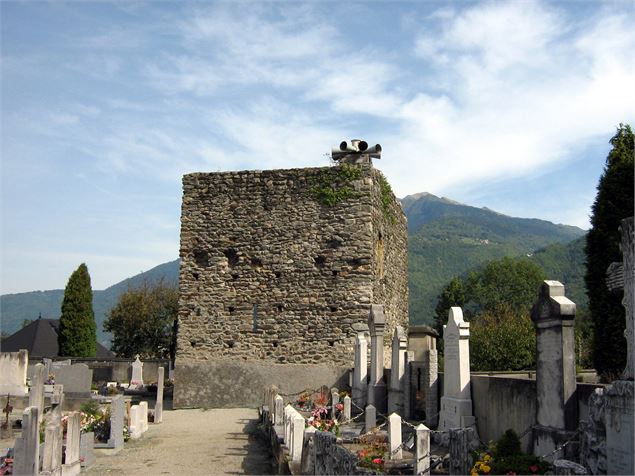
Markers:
point(71, 466)
point(137, 373)
point(360, 371)
point(456, 404)
point(553, 315)
point(377, 387)
point(394, 436)
point(27, 447)
point(397, 372)
point(422, 450)
point(158, 406)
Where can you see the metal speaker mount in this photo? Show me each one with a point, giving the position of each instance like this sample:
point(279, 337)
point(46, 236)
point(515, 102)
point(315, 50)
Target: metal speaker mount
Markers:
point(355, 151)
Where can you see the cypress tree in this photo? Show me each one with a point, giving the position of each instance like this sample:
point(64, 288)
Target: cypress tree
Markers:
point(613, 202)
point(77, 335)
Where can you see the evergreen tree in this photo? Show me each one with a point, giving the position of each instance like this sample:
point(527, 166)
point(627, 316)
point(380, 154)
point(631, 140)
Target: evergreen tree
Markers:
point(77, 335)
point(613, 202)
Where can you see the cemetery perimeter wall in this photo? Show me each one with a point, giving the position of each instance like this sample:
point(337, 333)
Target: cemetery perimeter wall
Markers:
point(234, 384)
point(111, 370)
point(272, 275)
point(501, 403)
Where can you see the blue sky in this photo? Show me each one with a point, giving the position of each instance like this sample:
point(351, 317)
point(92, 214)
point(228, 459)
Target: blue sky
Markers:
point(105, 106)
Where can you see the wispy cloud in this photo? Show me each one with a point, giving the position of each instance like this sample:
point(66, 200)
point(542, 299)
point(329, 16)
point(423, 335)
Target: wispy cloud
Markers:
point(124, 99)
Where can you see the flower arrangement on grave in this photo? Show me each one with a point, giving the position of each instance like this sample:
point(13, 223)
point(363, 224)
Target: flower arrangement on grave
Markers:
point(372, 457)
point(95, 419)
point(50, 380)
point(320, 421)
point(506, 457)
point(126, 433)
point(373, 453)
point(304, 402)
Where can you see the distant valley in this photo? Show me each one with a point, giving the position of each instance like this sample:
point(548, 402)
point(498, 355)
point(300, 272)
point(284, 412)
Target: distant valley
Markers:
point(446, 239)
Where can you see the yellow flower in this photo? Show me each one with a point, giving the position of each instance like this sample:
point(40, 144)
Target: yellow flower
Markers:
point(473, 473)
point(487, 458)
point(486, 469)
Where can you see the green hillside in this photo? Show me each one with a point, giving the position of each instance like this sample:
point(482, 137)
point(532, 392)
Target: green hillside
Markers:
point(447, 239)
point(565, 263)
point(17, 307)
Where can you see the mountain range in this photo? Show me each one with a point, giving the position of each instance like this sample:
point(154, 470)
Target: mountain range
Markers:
point(446, 239)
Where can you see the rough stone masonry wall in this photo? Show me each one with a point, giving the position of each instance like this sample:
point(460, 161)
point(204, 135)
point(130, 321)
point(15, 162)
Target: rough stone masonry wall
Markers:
point(390, 259)
point(271, 275)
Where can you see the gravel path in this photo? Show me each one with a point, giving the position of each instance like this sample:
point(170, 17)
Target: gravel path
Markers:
point(192, 442)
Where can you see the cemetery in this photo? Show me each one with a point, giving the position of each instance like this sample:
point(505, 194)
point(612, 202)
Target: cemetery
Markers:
point(300, 310)
point(54, 423)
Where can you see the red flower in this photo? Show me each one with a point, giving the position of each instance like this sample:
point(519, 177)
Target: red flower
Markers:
point(378, 461)
point(533, 468)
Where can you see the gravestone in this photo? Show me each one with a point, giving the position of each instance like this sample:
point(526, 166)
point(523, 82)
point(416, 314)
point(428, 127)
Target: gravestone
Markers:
point(13, 368)
point(377, 386)
point(27, 446)
point(553, 316)
point(87, 449)
point(77, 380)
point(620, 395)
point(423, 374)
point(143, 406)
point(72, 466)
point(56, 365)
point(347, 408)
point(53, 434)
point(422, 450)
point(117, 422)
point(620, 278)
point(394, 436)
point(278, 410)
point(36, 392)
point(593, 434)
point(135, 422)
point(462, 442)
point(360, 371)
point(370, 418)
point(158, 406)
point(297, 437)
point(456, 404)
point(398, 365)
point(335, 399)
point(620, 445)
point(136, 381)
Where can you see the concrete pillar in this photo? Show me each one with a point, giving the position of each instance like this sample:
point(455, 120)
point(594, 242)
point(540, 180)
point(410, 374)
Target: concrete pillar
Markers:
point(556, 406)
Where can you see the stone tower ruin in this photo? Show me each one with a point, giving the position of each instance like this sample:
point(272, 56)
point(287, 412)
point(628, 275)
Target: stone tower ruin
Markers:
point(277, 267)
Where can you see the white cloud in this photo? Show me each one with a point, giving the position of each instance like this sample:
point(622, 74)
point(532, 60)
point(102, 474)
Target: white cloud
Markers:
point(522, 84)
